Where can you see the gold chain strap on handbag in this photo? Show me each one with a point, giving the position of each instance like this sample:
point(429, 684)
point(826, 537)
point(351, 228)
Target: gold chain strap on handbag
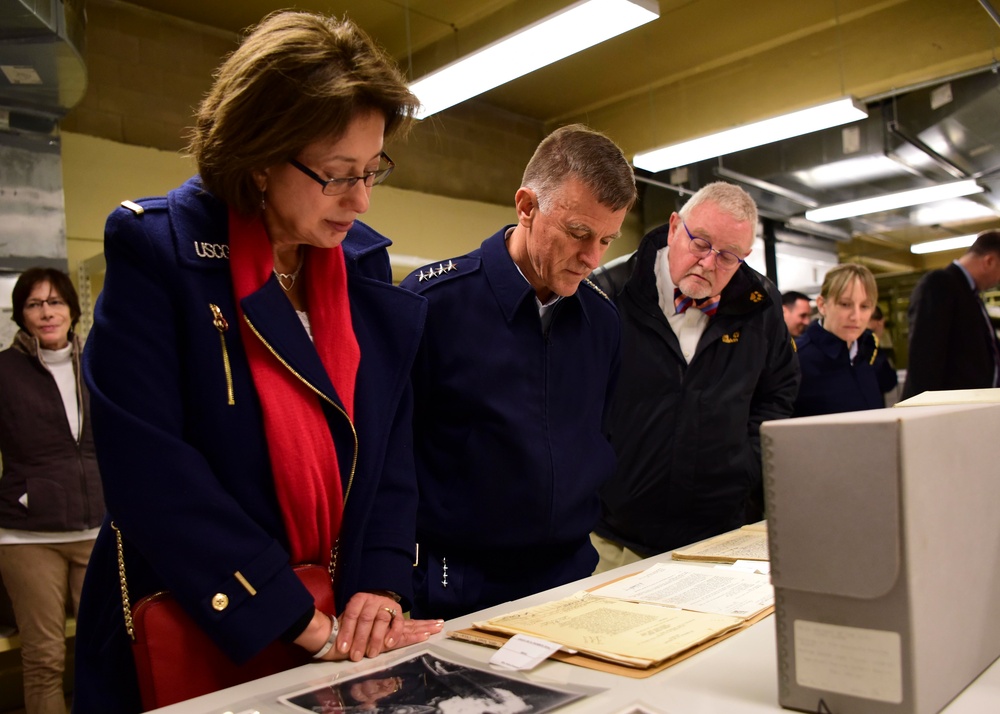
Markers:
point(126, 605)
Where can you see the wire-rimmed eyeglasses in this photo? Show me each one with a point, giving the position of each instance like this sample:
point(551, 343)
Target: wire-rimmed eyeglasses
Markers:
point(54, 303)
point(702, 248)
point(337, 186)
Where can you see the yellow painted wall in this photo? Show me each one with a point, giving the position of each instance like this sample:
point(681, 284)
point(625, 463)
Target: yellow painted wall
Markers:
point(98, 174)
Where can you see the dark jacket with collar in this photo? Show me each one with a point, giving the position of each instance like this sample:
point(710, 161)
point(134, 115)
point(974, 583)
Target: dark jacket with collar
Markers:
point(41, 460)
point(687, 435)
point(186, 473)
point(508, 424)
point(951, 346)
point(831, 383)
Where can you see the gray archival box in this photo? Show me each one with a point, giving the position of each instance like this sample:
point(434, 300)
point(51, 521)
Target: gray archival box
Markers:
point(884, 529)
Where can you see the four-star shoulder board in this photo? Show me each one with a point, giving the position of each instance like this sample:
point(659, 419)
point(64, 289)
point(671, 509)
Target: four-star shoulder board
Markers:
point(431, 272)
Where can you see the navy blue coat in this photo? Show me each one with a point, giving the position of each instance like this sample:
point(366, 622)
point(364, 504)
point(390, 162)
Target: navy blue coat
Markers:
point(187, 476)
point(508, 424)
point(830, 383)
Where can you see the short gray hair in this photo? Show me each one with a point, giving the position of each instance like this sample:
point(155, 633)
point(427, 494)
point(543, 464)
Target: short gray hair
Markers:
point(730, 198)
point(576, 151)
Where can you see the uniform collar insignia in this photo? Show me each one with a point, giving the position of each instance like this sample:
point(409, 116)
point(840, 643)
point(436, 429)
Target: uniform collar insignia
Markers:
point(591, 284)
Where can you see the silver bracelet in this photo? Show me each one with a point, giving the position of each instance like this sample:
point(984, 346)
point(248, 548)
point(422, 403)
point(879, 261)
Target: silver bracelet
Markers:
point(330, 641)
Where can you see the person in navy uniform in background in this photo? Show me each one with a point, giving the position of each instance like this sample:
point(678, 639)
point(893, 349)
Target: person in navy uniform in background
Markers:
point(511, 383)
point(838, 354)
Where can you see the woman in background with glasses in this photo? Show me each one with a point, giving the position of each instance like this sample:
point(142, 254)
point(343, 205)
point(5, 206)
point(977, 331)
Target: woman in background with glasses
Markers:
point(249, 365)
point(50, 493)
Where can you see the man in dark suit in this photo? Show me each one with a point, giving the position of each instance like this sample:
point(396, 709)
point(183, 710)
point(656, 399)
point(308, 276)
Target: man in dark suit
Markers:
point(952, 343)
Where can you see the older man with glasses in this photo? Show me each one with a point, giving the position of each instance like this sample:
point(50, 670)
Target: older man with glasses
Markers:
point(706, 358)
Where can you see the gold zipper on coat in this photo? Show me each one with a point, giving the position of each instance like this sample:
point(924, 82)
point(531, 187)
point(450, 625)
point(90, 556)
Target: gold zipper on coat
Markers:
point(354, 461)
point(221, 325)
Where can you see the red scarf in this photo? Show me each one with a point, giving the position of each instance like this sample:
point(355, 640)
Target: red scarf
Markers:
point(302, 453)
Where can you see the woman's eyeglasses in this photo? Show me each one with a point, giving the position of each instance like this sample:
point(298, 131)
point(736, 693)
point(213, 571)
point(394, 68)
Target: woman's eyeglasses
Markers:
point(337, 186)
point(54, 303)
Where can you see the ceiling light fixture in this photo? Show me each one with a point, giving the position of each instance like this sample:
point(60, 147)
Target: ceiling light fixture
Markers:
point(936, 246)
point(846, 172)
point(804, 121)
point(577, 27)
point(889, 201)
point(953, 210)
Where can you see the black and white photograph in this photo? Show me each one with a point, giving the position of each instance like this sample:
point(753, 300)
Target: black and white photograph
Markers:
point(429, 684)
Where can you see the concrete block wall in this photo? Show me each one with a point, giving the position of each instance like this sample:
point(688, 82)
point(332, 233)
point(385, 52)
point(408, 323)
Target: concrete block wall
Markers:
point(456, 174)
point(147, 72)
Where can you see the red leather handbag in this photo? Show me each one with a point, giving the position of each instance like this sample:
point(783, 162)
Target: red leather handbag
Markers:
point(174, 658)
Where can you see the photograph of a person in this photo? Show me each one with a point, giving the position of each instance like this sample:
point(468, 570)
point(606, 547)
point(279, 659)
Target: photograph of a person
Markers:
point(429, 684)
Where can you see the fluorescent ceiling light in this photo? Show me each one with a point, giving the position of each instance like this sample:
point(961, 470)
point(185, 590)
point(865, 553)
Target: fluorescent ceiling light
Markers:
point(849, 171)
point(950, 211)
point(935, 246)
point(889, 201)
point(577, 27)
point(804, 121)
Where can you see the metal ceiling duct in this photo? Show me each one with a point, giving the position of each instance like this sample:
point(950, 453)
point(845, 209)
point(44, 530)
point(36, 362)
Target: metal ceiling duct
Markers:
point(42, 72)
point(42, 76)
point(912, 138)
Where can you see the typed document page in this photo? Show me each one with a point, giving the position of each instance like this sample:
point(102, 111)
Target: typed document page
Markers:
point(692, 587)
point(639, 634)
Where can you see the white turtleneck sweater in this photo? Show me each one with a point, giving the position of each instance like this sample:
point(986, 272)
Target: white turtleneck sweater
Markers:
point(60, 363)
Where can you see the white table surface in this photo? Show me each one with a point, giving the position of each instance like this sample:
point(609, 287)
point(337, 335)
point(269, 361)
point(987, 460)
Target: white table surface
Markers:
point(736, 676)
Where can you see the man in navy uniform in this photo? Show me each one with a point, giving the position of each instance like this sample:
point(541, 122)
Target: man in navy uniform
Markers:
point(706, 357)
point(518, 360)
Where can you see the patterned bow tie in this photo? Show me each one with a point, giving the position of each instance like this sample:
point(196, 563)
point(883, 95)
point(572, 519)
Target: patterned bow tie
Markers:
point(707, 305)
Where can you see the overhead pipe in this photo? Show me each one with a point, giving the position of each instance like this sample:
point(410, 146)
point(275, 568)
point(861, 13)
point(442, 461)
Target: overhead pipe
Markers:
point(991, 10)
point(893, 127)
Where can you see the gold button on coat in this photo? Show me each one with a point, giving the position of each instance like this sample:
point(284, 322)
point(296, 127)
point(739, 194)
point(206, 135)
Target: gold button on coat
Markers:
point(220, 601)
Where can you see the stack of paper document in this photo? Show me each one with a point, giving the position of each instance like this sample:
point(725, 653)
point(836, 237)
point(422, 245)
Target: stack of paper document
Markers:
point(746, 543)
point(647, 619)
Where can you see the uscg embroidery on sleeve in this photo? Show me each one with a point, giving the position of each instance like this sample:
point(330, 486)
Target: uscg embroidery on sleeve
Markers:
point(593, 286)
point(433, 272)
